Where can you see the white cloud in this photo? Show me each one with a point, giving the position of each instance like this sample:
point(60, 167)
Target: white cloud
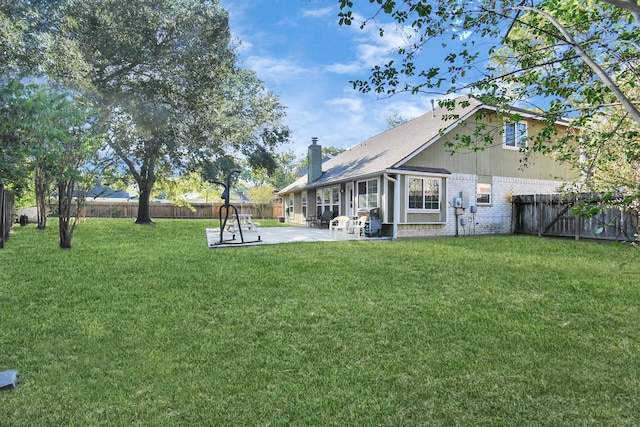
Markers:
point(371, 48)
point(350, 105)
point(338, 68)
point(371, 54)
point(274, 69)
point(319, 13)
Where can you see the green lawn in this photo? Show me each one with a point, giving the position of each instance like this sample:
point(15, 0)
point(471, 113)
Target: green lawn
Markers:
point(146, 326)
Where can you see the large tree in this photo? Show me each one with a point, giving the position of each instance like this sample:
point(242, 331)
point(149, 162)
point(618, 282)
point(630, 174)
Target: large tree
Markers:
point(166, 74)
point(283, 173)
point(34, 119)
point(609, 158)
point(52, 140)
point(75, 167)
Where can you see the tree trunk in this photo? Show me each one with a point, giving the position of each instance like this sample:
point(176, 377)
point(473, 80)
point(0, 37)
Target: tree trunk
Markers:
point(144, 215)
point(65, 194)
point(65, 234)
point(41, 200)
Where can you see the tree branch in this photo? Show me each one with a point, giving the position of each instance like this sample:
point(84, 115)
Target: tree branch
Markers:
point(521, 70)
point(595, 67)
point(130, 165)
point(107, 77)
point(631, 6)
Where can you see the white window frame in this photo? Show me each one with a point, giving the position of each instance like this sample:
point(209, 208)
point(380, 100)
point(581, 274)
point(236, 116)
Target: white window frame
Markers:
point(425, 180)
point(327, 198)
point(483, 189)
point(368, 199)
point(303, 204)
point(520, 133)
point(291, 205)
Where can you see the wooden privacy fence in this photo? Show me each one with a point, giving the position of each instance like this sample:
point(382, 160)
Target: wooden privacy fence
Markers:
point(551, 215)
point(129, 209)
point(6, 214)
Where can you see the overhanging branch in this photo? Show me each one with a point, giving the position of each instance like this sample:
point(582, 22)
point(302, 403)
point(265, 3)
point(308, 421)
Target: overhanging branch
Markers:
point(632, 6)
point(595, 67)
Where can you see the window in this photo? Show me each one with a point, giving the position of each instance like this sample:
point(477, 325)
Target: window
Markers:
point(327, 199)
point(424, 194)
point(368, 194)
point(483, 194)
point(290, 211)
point(304, 204)
point(515, 135)
point(335, 199)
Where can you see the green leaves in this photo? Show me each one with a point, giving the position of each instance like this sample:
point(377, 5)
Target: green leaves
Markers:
point(56, 141)
point(540, 59)
point(171, 90)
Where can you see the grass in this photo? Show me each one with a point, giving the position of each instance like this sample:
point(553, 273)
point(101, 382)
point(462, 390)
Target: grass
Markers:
point(139, 326)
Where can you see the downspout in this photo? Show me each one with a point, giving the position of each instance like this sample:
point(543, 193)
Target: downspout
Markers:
point(396, 205)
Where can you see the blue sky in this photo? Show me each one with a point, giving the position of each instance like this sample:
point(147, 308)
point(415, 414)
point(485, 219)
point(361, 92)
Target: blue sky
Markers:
point(299, 51)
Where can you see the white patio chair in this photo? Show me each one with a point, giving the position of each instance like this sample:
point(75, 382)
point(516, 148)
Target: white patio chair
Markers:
point(339, 224)
point(356, 226)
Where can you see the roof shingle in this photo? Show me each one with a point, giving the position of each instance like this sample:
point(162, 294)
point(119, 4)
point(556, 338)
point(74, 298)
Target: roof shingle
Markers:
point(390, 148)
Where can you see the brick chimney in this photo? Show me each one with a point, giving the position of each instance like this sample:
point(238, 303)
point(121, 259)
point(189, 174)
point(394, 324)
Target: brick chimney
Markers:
point(314, 160)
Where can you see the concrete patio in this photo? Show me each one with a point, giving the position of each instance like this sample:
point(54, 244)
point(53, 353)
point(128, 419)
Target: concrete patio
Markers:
point(273, 235)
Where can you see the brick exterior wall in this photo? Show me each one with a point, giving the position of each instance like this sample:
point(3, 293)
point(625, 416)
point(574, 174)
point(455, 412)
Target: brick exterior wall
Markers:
point(489, 219)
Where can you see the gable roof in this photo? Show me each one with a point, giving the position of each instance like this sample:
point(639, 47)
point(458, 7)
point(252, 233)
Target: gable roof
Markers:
point(389, 149)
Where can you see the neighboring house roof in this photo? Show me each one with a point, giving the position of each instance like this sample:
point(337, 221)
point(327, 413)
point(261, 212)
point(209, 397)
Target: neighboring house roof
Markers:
point(101, 191)
point(236, 196)
point(389, 149)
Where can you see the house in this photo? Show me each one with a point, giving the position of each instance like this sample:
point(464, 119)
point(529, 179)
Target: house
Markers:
point(410, 178)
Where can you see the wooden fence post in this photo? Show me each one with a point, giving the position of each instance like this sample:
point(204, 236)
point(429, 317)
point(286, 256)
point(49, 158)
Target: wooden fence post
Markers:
point(6, 214)
point(538, 206)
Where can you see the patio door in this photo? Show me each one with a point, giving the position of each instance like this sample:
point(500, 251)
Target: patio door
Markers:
point(348, 203)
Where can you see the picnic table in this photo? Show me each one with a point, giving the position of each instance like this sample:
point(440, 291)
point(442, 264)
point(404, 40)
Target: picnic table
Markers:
point(246, 222)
